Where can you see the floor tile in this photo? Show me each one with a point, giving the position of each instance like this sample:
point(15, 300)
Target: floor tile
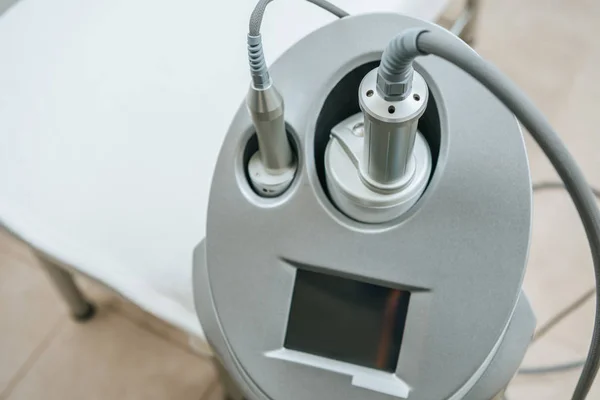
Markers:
point(545, 47)
point(106, 298)
point(113, 358)
point(549, 49)
point(560, 267)
point(578, 121)
point(217, 393)
point(533, 42)
point(545, 64)
point(568, 342)
point(15, 250)
point(29, 310)
point(559, 271)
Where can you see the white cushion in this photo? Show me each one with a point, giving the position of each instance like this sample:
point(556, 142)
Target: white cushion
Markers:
point(112, 113)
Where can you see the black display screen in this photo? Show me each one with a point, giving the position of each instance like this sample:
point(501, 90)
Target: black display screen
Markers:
point(347, 320)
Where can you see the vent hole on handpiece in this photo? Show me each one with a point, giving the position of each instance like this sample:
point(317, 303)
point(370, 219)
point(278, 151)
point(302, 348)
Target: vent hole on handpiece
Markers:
point(416, 97)
point(369, 93)
point(391, 109)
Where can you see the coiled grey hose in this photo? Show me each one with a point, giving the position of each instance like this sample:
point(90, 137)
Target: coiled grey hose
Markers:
point(461, 55)
point(258, 67)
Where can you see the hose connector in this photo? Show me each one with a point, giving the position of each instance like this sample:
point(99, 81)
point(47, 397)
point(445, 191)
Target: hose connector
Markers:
point(395, 76)
point(390, 132)
point(258, 66)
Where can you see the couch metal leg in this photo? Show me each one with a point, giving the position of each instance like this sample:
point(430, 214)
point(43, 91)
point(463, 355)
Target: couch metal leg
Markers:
point(466, 23)
point(468, 34)
point(81, 309)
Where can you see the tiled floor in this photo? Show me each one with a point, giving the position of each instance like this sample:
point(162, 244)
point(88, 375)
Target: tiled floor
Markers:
point(548, 47)
point(123, 353)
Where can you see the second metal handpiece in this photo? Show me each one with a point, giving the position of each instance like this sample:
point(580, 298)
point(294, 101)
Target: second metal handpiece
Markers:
point(272, 168)
point(267, 112)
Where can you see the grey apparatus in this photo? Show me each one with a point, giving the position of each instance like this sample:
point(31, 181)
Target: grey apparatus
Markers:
point(370, 219)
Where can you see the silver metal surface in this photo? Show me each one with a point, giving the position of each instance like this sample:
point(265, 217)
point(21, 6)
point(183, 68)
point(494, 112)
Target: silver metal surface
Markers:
point(266, 110)
point(359, 199)
point(390, 131)
point(478, 198)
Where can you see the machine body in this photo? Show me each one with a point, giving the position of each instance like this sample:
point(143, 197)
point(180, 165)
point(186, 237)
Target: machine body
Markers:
point(304, 297)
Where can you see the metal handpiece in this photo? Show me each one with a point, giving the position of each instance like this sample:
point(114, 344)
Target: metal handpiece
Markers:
point(378, 173)
point(390, 130)
point(266, 110)
point(273, 167)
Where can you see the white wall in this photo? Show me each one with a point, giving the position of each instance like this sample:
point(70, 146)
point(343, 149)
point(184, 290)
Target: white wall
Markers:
point(5, 4)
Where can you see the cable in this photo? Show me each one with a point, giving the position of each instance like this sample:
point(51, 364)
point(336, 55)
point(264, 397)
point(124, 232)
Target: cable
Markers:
point(551, 368)
point(327, 6)
point(259, 11)
point(258, 66)
point(257, 16)
point(458, 53)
